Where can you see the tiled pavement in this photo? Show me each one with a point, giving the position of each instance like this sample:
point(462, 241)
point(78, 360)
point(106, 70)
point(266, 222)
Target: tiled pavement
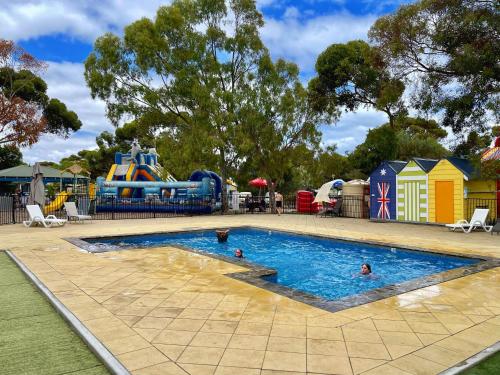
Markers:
point(167, 311)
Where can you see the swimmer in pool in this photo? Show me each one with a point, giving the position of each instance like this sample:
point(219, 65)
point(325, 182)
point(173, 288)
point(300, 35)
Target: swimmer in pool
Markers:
point(366, 272)
point(366, 269)
point(238, 253)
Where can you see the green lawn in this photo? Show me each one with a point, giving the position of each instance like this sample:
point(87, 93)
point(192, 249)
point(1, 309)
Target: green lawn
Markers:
point(487, 367)
point(34, 339)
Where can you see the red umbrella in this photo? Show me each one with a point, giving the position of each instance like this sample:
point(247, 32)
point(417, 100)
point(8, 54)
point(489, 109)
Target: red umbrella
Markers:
point(258, 182)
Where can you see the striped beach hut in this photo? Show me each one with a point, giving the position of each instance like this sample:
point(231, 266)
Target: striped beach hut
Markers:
point(452, 183)
point(383, 190)
point(412, 190)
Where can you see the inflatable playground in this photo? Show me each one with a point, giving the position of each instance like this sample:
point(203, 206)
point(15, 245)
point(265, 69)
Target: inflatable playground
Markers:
point(136, 182)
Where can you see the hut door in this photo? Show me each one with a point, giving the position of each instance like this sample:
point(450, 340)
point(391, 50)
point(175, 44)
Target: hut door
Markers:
point(444, 202)
point(412, 201)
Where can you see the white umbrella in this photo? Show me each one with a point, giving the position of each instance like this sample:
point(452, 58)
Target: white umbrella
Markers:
point(37, 188)
point(324, 191)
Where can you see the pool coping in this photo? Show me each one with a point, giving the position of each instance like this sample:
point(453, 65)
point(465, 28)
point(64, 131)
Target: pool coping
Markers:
point(255, 275)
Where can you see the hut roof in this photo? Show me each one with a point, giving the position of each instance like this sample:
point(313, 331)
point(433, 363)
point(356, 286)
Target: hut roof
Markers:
point(464, 165)
point(426, 164)
point(397, 165)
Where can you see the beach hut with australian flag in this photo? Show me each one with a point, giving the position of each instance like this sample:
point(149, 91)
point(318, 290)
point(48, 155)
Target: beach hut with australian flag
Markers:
point(383, 190)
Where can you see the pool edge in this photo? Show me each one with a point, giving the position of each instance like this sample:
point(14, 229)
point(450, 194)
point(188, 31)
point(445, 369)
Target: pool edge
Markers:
point(255, 273)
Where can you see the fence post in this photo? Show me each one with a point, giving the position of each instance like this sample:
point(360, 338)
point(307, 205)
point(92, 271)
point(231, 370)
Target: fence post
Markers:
point(13, 210)
point(113, 207)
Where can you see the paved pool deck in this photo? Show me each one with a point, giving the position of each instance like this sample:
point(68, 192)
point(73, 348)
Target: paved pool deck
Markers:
point(171, 312)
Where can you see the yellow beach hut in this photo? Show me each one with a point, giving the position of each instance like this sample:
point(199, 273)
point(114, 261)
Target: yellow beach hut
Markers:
point(450, 183)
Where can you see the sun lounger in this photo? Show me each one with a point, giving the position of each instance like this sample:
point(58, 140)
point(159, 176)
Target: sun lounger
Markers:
point(478, 221)
point(73, 214)
point(36, 217)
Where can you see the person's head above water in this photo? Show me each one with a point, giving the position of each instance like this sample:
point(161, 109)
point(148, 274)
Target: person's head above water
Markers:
point(238, 253)
point(366, 269)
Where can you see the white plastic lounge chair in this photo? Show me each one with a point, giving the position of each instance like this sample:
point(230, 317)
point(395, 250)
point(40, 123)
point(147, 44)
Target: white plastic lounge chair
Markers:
point(478, 221)
point(36, 217)
point(73, 214)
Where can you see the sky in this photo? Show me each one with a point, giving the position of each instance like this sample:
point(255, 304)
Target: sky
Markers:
point(62, 32)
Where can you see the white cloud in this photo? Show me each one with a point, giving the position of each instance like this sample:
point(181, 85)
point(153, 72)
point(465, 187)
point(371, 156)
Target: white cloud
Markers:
point(303, 40)
point(352, 128)
point(85, 20)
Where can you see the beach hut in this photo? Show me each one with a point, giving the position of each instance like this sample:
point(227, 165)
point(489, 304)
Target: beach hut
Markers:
point(412, 190)
point(383, 190)
point(451, 184)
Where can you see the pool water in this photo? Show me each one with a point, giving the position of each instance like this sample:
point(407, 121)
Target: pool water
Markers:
point(324, 267)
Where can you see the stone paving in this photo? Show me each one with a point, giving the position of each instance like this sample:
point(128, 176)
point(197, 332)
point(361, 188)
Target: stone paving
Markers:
point(171, 312)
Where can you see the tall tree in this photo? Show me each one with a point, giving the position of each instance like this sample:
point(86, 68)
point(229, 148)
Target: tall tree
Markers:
point(450, 50)
point(282, 123)
point(26, 111)
point(380, 144)
point(197, 61)
point(411, 137)
point(10, 156)
point(352, 75)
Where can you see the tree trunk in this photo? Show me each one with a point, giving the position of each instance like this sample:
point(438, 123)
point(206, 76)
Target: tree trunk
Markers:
point(391, 120)
point(272, 198)
point(223, 172)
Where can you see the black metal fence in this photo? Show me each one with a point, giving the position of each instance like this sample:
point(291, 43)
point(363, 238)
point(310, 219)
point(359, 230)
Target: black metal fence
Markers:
point(492, 204)
point(13, 207)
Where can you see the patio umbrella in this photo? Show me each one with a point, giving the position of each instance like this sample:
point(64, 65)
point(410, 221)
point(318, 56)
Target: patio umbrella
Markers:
point(37, 188)
point(324, 190)
point(258, 182)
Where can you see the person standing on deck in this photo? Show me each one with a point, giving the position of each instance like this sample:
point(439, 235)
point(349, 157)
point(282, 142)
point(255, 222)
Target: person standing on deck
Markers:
point(279, 203)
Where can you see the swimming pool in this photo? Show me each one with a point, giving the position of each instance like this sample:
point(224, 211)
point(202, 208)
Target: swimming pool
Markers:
point(322, 267)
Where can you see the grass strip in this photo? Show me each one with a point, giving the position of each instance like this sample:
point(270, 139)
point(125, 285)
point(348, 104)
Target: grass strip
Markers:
point(34, 339)
point(489, 366)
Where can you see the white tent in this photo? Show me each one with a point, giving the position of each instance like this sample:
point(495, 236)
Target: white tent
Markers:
point(324, 190)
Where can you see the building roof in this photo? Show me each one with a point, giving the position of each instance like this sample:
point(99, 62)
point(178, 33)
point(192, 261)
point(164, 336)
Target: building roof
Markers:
point(397, 165)
point(464, 165)
point(23, 172)
point(426, 164)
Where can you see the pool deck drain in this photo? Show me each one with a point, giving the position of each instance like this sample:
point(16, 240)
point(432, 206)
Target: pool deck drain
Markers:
point(166, 310)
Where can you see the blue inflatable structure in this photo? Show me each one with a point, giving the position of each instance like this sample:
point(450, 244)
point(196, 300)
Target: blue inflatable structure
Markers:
point(133, 185)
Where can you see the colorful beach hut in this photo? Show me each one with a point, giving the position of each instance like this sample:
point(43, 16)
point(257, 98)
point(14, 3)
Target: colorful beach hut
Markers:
point(451, 182)
point(383, 201)
point(412, 190)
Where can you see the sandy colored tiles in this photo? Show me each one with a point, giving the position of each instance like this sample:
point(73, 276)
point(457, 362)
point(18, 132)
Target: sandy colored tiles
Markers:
point(168, 311)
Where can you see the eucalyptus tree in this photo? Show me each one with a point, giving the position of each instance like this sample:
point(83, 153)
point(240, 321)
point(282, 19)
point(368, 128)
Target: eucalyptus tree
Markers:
point(197, 61)
point(285, 126)
point(353, 75)
point(449, 50)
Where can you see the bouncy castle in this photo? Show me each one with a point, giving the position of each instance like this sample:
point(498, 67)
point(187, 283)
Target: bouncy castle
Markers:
point(135, 183)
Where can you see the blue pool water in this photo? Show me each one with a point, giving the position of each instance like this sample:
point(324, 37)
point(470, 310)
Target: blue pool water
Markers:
point(324, 267)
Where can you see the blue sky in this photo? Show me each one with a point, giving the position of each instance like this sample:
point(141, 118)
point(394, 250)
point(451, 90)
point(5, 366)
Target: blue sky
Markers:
point(62, 32)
